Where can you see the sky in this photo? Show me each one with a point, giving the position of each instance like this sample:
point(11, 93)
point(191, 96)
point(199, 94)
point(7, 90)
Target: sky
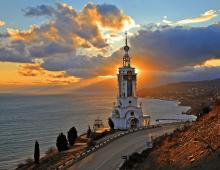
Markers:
point(79, 43)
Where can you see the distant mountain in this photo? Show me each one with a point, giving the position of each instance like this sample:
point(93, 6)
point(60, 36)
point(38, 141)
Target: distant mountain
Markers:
point(183, 87)
point(197, 94)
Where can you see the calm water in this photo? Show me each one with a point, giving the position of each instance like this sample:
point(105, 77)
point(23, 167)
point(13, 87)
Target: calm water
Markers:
point(23, 119)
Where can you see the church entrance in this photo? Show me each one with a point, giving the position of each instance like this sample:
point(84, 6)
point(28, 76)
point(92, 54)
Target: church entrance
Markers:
point(134, 123)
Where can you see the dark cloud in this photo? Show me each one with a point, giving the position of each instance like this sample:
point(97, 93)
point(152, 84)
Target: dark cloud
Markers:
point(176, 47)
point(11, 56)
point(108, 9)
point(77, 65)
point(40, 10)
point(40, 51)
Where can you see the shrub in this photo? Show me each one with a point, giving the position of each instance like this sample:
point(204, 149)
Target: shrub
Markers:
point(111, 123)
point(29, 161)
point(88, 132)
point(61, 142)
point(36, 153)
point(90, 142)
point(20, 165)
point(72, 135)
point(50, 151)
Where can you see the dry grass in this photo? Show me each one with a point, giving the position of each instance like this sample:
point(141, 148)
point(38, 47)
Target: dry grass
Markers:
point(190, 146)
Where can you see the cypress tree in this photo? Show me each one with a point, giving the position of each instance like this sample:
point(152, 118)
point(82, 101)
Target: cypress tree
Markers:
point(62, 143)
point(88, 132)
point(111, 123)
point(72, 135)
point(36, 153)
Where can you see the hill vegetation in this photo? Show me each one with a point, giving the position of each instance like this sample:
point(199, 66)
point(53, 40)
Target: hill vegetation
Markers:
point(198, 95)
point(194, 147)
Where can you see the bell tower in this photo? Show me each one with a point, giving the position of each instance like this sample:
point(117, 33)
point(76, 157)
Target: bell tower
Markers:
point(127, 75)
point(127, 113)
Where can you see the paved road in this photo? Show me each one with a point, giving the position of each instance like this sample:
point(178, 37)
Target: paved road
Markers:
point(109, 157)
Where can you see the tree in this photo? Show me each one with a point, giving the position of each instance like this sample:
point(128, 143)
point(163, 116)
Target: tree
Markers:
point(72, 135)
point(62, 143)
point(111, 123)
point(89, 131)
point(206, 109)
point(36, 153)
point(90, 142)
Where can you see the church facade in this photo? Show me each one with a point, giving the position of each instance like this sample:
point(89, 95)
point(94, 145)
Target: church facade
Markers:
point(127, 113)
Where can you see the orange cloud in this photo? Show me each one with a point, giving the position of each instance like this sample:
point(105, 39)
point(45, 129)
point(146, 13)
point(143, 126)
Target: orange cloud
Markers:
point(209, 63)
point(56, 77)
point(2, 23)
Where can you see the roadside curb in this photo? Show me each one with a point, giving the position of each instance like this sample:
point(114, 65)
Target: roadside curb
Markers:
point(100, 145)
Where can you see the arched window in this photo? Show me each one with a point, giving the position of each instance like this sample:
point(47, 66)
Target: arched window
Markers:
point(117, 114)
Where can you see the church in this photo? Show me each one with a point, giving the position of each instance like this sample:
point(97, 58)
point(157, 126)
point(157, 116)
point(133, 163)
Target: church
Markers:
point(127, 113)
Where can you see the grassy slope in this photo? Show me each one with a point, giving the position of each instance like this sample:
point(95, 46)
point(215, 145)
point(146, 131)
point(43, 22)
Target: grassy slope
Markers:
point(197, 147)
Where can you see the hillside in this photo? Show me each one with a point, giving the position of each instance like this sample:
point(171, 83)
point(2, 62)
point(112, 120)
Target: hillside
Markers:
point(195, 147)
point(198, 94)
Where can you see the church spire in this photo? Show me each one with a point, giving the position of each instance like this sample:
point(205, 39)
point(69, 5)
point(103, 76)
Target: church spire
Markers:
point(126, 39)
point(126, 58)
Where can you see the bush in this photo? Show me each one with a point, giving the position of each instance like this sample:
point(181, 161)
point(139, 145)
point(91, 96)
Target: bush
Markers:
point(206, 109)
point(135, 157)
point(62, 143)
point(72, 135)
point(29, 161)
point(36, 153)
point(111, 123)
point(88, 132)
point(20, 165)
point(90, 142)
point(50, 151)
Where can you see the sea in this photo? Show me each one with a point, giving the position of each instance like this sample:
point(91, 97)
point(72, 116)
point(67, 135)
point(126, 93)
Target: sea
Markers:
point(26, 118)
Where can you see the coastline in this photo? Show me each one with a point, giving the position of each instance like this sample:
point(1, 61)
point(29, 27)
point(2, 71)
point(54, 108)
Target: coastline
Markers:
point(179, 103)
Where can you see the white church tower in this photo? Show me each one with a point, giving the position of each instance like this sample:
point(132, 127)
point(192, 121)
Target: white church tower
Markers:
point(127, 113)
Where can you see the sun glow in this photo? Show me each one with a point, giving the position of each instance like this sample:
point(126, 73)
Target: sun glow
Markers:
point(212, 63)
point(107, 76)
point(137, 70)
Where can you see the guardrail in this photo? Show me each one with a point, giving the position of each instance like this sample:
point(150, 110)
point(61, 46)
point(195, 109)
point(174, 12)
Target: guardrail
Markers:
point(100, 145)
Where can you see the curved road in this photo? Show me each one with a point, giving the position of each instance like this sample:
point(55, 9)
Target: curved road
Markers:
point(110, 156)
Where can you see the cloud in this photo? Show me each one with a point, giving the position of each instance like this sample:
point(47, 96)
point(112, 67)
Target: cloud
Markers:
point(73, 44)
point(40, 10)
point(14, 52)
point(173, 48)
point(206, 16)
point(79, 66)
point(35, 70)
point(2, 23)
point(68, 30)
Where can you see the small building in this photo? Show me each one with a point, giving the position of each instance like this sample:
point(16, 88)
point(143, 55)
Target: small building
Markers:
point(127, 112)
point(98, 124)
